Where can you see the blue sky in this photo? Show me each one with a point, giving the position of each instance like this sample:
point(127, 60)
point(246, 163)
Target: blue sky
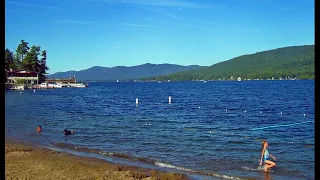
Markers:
point(79, 34)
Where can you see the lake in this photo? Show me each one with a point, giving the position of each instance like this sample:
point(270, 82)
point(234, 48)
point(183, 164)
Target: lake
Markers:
point(210, 130)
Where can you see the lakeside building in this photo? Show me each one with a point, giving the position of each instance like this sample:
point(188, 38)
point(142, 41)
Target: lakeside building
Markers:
point(20, 80)
point(30, 77)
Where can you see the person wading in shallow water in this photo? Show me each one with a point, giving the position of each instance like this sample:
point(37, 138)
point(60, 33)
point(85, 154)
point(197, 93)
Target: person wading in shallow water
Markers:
point(265, 157)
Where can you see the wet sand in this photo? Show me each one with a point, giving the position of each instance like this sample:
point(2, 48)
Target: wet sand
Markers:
point(23, 161)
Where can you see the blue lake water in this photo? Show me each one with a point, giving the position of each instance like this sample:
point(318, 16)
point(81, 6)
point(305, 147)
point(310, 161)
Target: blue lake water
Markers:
point(211, 130)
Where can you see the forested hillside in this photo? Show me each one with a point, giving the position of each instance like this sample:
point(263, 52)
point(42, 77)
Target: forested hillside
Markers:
point(98, 73)
point(294, 61)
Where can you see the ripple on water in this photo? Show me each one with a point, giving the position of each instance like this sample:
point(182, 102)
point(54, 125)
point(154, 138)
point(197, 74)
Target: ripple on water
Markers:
point(215, 138)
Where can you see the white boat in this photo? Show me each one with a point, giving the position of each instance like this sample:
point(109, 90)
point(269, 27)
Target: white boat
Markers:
point(77, 85)
point(46, 85)
point(18, 87)
point(43, 85)
point(54, 85)
point(62, 84)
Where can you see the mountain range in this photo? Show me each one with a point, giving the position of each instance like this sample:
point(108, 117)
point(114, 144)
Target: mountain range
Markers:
point(280, 63)
point(98, 73)
point(291, 61)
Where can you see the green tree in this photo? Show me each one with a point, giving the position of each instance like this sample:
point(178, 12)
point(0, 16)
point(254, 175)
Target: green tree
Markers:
point(43, 65)
point(8, 62)
point(27, 59)
point(31, 61)
point(16, 63)
point(22, 50)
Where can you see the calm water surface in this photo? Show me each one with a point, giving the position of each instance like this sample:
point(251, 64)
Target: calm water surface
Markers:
point(211, 129)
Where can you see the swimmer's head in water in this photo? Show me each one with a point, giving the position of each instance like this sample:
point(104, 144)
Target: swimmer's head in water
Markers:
point(39, 128)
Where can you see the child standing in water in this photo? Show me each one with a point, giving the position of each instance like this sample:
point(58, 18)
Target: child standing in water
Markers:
point(265, 157)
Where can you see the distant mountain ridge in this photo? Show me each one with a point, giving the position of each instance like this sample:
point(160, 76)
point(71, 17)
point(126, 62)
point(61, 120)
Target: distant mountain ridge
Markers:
point(290, 61)
point(99, 73)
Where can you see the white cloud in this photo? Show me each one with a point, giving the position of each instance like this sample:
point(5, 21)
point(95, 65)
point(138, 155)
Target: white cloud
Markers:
point(199, 26)
point(31, 5)
point(166, 14)
point(67, 21)
point(137, 25)
point(287, 9)
point(167, 3)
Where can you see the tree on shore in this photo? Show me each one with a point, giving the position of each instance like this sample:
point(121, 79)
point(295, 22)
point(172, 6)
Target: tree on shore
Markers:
point(27, 59)
point(8, 61)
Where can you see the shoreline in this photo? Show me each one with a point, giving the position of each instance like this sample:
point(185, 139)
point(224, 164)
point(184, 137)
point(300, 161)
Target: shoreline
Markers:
point(25, 161)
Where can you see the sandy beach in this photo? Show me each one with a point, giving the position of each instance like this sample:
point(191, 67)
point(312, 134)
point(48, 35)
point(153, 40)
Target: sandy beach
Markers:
point(23, 161)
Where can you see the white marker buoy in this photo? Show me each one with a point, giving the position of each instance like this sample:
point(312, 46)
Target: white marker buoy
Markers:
point(169, 99)
point(137, 101)
point(34, 90)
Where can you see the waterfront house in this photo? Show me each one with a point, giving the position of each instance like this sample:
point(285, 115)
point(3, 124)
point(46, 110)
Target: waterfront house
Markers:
point(29, 77)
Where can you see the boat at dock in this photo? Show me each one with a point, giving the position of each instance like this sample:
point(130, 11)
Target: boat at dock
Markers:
point(18, 87)
point(79, 85)
point(54, 85)
point(46, 85)
point(71, 82)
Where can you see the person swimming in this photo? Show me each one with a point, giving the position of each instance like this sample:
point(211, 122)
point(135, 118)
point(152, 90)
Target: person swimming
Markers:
point(39, 129)
point(67, 132)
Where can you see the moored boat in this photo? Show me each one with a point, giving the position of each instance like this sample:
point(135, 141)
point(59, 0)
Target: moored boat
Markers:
point(78, 85)
point(54, 85)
